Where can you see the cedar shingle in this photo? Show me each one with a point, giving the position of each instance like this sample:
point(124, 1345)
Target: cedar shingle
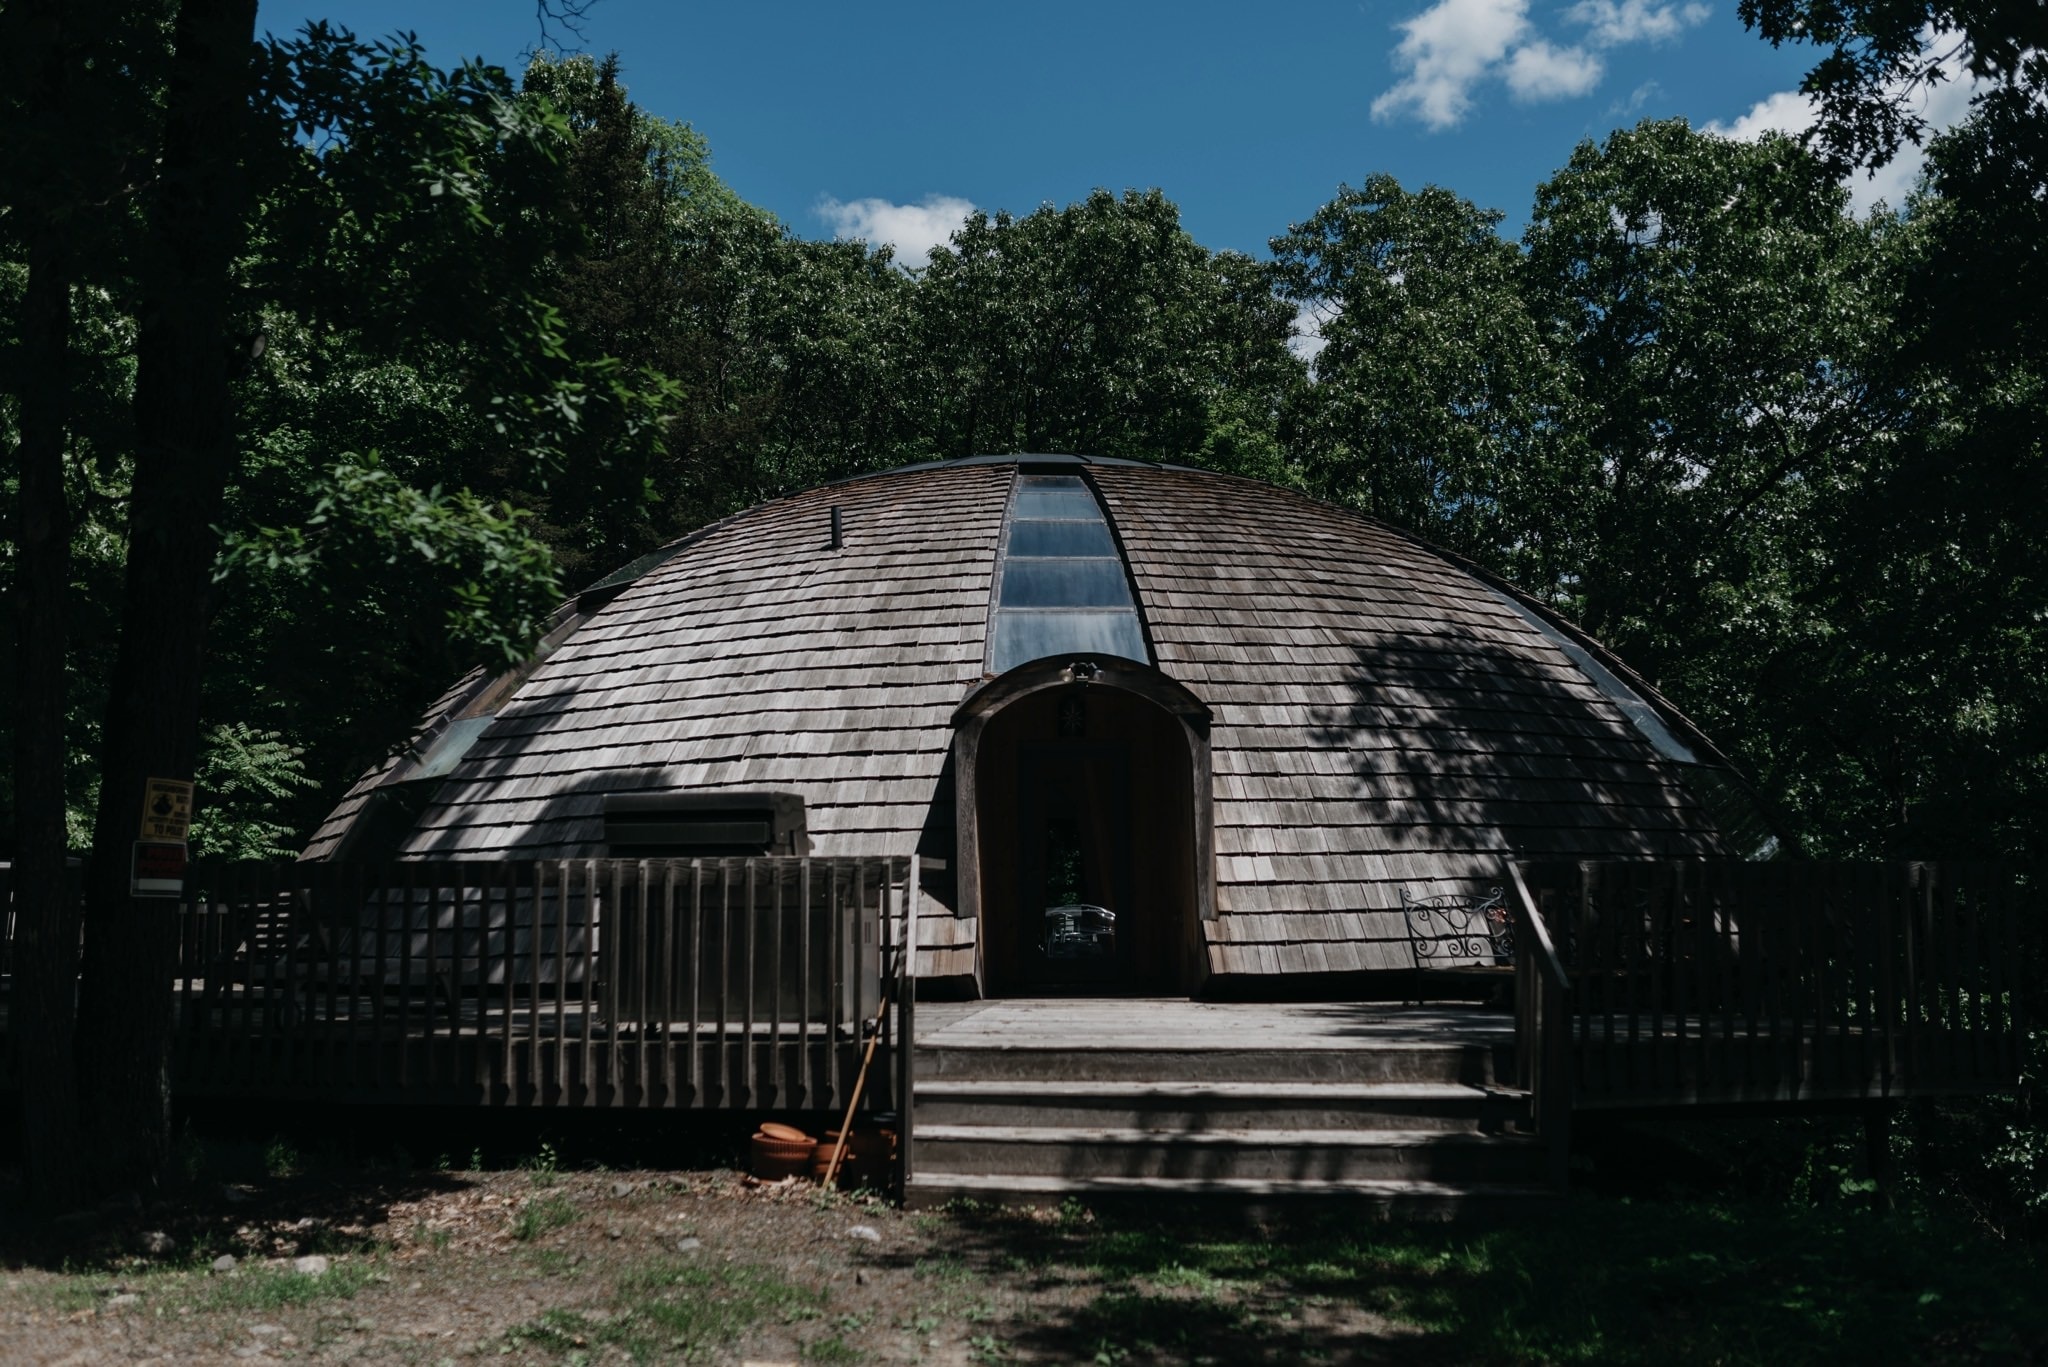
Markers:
point(1383, 719)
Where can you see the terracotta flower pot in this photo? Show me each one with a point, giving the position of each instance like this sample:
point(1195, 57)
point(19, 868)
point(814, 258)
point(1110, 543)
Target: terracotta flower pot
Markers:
point(775, 1157)
point(868, 1156)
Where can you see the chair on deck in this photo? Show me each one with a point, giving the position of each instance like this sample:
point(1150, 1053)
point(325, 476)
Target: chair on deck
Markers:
point(1467, 938)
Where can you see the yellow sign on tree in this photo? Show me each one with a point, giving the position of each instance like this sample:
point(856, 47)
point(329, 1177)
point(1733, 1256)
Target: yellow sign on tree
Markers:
point(166, 809)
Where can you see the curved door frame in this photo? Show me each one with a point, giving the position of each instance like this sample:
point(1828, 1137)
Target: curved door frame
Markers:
point(970, 723)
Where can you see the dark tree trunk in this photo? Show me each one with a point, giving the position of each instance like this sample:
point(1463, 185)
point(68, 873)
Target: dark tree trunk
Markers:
point(41, 39)
point(184, 454)
point(46, 913)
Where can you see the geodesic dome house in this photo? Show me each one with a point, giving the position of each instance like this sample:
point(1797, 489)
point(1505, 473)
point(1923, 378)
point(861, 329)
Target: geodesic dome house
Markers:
point(1146, 727)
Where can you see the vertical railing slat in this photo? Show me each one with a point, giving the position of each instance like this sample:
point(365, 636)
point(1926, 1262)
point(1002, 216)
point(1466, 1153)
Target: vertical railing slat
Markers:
point(592, 898)
point(778, 1068)
point(535, 939)
point(696, 944)
point(670, 948)
point(725, 1087)
point(753, 917)
point(836, 978)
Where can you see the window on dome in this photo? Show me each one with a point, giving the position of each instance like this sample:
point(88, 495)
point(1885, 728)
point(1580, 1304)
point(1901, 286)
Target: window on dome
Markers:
point(1063, 589)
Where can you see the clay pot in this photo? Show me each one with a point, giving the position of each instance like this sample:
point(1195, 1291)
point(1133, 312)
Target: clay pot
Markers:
point(869, 1154)
point(776, 1157)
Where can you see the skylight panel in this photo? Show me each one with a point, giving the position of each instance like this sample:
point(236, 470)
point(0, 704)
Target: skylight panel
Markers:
point(1062, 587)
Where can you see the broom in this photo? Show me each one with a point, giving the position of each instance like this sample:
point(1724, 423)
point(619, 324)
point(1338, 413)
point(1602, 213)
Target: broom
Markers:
point(859, 1081)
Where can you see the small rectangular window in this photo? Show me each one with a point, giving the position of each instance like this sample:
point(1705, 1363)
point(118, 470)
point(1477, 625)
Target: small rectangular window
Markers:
point(1022, 636)
point(1065, 584)
point(1075, 503)
point(1061, 538)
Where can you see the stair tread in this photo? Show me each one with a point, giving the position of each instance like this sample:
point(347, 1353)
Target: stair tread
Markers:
point(1250, 1044)
point(1242, 1186)
point(1269, 1138)
point(1306, 1091)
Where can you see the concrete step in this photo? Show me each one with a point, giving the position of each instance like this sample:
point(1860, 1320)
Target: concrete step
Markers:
point(1227, 1155)
point(1383, 1199)
point(1200, 1106)
point(1474, 1065)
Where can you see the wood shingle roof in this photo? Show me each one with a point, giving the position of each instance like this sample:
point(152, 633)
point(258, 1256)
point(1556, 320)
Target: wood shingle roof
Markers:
point(1383, 718)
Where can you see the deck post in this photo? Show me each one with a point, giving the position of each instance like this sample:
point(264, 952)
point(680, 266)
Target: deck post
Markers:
point(906, 1015)
point(1543, 1044)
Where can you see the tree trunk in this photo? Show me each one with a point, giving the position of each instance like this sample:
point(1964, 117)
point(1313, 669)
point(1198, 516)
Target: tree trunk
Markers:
point(46, 912)
point(53, 87)
point(184, 454)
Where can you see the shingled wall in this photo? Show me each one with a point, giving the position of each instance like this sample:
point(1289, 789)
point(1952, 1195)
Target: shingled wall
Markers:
point(1383, 719)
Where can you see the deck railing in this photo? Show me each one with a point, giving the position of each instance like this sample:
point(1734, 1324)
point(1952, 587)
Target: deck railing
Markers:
point(1723, 982)
point(1543, 1029)
point(728, 983)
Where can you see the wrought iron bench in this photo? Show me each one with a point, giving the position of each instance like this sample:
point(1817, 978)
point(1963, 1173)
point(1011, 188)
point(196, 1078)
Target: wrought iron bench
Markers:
point(1467, 935)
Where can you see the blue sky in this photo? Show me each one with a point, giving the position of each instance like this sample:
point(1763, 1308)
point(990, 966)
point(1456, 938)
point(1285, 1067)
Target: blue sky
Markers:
point(888, 121)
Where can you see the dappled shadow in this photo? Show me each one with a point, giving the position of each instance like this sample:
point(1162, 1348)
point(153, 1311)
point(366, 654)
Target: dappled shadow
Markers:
point(1181, 1284)
point(1464, 749)
point(315, 1213)
point(570, 823)
point(1652, 1283)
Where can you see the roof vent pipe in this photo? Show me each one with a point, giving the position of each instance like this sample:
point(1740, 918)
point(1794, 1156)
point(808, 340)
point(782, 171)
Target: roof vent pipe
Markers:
point(836, 528)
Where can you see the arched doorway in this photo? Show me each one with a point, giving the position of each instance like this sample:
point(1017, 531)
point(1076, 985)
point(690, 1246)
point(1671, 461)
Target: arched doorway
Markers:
point(1083, 788)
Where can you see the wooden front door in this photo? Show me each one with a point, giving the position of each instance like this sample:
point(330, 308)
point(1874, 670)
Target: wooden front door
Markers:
point(1085, 808)
point(1074, 875)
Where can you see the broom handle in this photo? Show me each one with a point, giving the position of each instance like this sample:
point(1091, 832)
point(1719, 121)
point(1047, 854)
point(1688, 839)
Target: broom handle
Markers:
point(846, 1126)
point(859, 1081)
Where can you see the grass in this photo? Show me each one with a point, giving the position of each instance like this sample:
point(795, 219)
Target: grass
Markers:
point(274, 1288)
point(251, 1287)
point(1597, 1282)
point(542, 1215)
point(668, 1311)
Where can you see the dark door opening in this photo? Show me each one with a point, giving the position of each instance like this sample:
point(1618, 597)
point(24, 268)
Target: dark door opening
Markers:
point(1085, 818)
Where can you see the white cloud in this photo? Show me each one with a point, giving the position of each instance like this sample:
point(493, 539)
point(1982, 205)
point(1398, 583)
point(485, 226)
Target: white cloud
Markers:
point(1942, 105)
point(1308, 341)
point(1447, 50)
point(1610, 23)
point(1455, 46)
point(1637, 98)
point(1540, 71)
point(1788, 111)
point(912, 229)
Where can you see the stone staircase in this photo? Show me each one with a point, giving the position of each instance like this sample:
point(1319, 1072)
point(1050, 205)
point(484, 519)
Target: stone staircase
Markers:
point(1412, 1127)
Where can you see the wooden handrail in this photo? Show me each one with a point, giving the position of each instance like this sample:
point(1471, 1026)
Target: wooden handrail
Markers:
point(1543, 1028)
point(1531, 921)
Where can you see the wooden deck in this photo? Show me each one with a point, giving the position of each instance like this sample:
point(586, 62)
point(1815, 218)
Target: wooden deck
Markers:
point(1178, 1023)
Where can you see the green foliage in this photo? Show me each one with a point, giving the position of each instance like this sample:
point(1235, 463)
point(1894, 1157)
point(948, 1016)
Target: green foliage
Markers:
point(1883, 55)
point(1101, 328)
point(244, 776)
point(1432, 384)
point(435, 546)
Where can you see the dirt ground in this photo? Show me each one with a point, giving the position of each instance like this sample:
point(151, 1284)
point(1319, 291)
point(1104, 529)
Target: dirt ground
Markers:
point(539, 1265)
